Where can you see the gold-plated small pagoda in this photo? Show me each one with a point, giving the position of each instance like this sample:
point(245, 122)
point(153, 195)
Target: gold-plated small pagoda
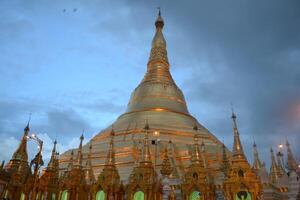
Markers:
point(242, 181)
point(144, 181)
point(73, 185)
point(108, 183)
point(197, 181)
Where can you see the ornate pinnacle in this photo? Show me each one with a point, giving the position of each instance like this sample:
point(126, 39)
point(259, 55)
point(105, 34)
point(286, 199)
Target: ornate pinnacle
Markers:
point(166, 169)
point(70, 166)
point(274, 172)
point(257, 164)
point(280, 164)
point(196, 156)
point(89, 173)
point(110, 160)
point(238, 152)
point(21, 153)
point(291, 163)
point(146, 157)
point(79, 153)
point(51, 164)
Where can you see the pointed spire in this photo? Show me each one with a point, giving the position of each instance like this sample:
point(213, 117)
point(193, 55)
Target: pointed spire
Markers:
point(225, 161)
point(27, 129)
point(196, 155)
point(20, 155)
point(78, 163)
point(146, 157)
point(51, 164)
point(274, 173)
point(280, 164)
point(110, 159)
point(237, 152)
point(257, 164)
point(158, 64)
point(166, 168)
point(291, 162)
point(89, 173)
point(70, 165)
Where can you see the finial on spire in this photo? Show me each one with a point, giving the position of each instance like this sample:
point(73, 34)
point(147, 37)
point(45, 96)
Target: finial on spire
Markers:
point(27, 129)
point(82, 137)
point(159, 23)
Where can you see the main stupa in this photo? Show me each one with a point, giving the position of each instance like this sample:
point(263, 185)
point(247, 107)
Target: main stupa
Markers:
point(158, 102)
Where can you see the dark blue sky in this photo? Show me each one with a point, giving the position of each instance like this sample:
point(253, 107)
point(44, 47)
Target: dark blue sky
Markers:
point(76, 70)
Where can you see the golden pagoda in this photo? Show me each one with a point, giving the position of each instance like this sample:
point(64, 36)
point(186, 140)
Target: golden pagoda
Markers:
point(152, 152)
point(158, 100)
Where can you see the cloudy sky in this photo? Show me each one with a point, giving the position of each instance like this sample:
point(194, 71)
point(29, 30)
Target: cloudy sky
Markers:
point(74, 63)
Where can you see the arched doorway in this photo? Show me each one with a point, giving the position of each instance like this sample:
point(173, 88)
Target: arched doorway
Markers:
point(243, 195)
point(53, 196)
point(100, 195)
point(195, 195)
point(64, 195)
point(22, 197)
point(139, 195)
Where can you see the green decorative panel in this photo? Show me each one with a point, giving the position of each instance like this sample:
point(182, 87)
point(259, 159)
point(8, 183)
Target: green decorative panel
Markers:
point(53, 196)
point(139, 196)
point(100, 195)
point(195, 195)
point(243, 195)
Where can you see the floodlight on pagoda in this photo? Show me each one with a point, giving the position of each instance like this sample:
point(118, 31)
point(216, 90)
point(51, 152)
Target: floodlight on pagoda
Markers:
point(156, 133)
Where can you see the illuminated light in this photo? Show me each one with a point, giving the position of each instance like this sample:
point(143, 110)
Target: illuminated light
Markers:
point(33, 135)
point(159, 109)
point(298, 166)
point(280, 146)
point(156, 133)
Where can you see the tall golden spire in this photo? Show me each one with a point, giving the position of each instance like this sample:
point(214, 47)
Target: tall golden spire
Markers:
point(291, 163)
point(237, 152)
point(146, 157)
point(158, 92)
point(257, 164)
point(110, 159)
point(78, 163)
point(274, 172)
point(158, 64)
point(52, 162)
